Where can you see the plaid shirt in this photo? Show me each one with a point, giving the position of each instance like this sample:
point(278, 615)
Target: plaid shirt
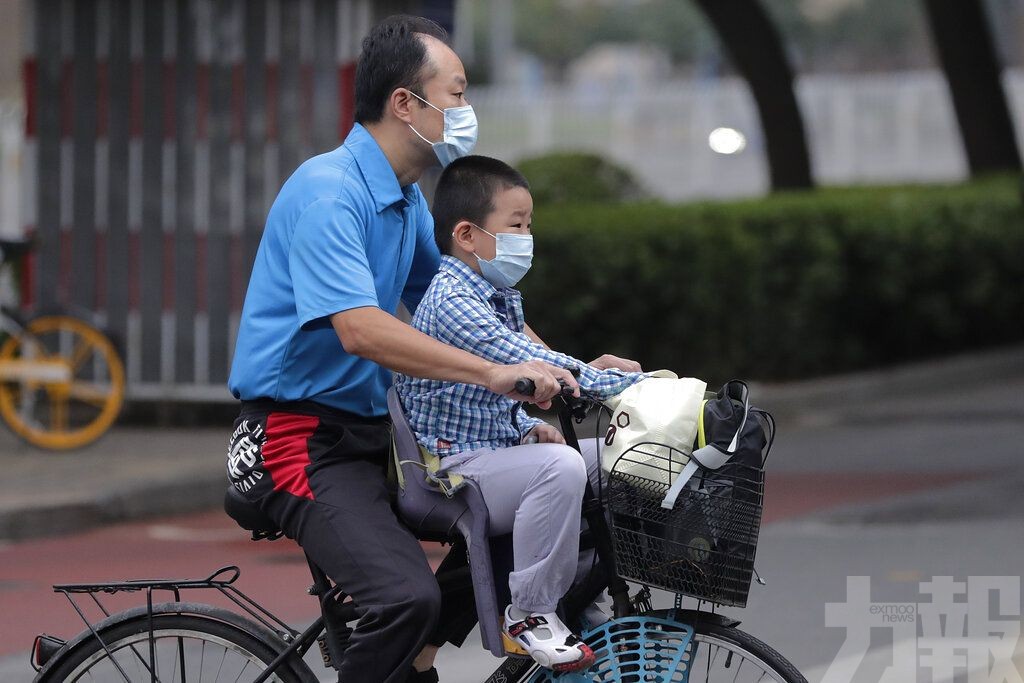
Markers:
point(462, 309)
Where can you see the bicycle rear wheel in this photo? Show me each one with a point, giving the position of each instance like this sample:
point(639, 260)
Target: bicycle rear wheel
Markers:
point(655, 648)
point(185, 648)
point(62, 383)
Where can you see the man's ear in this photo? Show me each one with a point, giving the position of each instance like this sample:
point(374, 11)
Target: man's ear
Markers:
point(401, 103)
point(463, 237)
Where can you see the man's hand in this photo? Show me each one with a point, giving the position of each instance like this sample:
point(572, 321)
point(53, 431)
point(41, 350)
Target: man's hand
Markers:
point(544, 433)
point(608, 362)
point(502, 380)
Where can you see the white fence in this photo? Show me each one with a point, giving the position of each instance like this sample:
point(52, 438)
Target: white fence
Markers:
point(12, 137)
point(897, 127)
point(862, 129)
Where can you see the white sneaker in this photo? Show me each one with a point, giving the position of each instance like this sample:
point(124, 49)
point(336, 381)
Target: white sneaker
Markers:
point(547, 640)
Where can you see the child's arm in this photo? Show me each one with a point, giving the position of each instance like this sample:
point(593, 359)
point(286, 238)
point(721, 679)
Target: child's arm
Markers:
point(465, 322)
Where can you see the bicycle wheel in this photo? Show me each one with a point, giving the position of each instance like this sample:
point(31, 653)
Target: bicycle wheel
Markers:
point(61, 383)
point(655, 648)
point(185, 648)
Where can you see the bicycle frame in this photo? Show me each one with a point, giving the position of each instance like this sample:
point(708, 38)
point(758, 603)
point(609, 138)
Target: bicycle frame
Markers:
point(292, 645)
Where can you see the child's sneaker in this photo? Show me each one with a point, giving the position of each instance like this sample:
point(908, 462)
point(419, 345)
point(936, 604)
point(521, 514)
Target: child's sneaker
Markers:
point(546, 639)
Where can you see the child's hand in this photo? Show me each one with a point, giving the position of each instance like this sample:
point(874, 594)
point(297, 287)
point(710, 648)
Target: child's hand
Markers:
point(544, 433)
point(609, 362)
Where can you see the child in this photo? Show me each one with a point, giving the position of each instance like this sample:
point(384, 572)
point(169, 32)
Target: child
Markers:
point(531, 481)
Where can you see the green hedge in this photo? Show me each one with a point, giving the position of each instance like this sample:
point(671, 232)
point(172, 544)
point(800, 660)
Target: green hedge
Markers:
point(564, 177)
point(793, 285)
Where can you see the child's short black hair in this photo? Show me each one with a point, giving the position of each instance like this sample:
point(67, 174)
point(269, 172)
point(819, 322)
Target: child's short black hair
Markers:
point(465, 192)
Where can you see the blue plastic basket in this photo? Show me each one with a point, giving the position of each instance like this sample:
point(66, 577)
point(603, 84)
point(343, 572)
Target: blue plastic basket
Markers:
point(633, 650)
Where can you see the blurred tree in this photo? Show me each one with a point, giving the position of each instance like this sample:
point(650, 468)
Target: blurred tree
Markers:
point(963, 41)
point(756, 51)
point(858, 35)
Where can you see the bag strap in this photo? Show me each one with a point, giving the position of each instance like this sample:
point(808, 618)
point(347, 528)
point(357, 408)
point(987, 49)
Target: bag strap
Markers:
point(691, 468)
point(708, 455)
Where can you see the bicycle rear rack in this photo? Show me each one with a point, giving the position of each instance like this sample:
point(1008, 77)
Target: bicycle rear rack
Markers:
point(221, 580)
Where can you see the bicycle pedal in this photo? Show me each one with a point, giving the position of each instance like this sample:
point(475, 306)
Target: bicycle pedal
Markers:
point(641, 601)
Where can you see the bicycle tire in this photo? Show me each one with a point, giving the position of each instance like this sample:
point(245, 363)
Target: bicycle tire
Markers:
point(782, 668)
point(89, 661)
point(62, 415)
point(706, 665)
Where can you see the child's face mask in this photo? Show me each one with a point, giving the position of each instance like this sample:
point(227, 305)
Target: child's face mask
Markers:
point(513, 256)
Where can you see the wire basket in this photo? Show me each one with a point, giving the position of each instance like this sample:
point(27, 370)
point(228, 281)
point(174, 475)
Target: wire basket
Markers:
point(704, 546)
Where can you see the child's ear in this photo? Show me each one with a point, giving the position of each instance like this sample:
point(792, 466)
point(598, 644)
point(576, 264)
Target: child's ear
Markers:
point(462, 236)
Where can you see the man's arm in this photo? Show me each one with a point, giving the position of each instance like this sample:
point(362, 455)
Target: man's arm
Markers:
point(371, 333)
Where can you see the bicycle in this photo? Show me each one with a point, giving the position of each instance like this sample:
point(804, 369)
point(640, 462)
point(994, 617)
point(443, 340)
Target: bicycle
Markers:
point(196, 641)
point(62, 380)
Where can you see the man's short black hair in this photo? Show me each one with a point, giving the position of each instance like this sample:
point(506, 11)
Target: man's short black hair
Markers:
point(466, 191)
point(393, 56)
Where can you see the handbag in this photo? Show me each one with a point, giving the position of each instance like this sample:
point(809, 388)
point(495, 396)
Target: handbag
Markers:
point(653, 426)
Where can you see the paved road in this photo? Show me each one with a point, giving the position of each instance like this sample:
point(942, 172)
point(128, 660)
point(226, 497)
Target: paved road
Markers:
point(912, 481)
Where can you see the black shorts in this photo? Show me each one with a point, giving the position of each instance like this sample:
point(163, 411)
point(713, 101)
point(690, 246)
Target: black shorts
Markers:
point(285, 446)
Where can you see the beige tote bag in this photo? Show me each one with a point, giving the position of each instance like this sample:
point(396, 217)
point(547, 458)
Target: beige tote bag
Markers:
point(653, 427)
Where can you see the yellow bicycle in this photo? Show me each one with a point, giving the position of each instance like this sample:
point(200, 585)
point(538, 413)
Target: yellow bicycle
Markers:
point(62, 380)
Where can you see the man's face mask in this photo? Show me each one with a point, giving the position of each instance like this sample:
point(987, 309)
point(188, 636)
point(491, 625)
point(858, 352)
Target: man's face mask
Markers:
point(459, 135)
point(513, 256)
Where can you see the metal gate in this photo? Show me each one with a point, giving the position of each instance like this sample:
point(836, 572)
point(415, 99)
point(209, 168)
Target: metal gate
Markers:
point(157, 135)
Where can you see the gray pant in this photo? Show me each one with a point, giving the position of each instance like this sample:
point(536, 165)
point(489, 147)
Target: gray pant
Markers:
point(535, 492)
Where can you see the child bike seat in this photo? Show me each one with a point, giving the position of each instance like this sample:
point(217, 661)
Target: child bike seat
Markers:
point(434, 514)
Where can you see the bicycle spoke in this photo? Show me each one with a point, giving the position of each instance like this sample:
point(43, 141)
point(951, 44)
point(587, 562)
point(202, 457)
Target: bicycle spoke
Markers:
point(239, 677)
point(223, 657)
point(88, 393)
point(181, 658)
point(83, 350)
point(59, 415)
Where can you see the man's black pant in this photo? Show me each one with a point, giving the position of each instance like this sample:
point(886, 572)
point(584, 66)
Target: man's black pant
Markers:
point(321, 475)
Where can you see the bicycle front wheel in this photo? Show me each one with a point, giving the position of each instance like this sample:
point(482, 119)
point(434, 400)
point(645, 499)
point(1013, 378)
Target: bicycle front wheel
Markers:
point(184, 648)
point(655, 648)
point(61, 383)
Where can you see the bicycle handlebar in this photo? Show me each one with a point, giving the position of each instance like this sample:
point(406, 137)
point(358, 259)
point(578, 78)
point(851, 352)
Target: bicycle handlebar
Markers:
point(527, 387)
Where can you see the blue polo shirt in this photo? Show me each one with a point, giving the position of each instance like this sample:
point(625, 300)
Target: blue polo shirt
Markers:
point(341, 234)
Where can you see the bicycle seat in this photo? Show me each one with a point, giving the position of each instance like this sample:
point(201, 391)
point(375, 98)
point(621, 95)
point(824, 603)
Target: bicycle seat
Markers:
point(432, 513)
point(249, 517)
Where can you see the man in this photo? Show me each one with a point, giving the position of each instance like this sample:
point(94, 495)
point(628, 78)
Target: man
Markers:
point(349, 236)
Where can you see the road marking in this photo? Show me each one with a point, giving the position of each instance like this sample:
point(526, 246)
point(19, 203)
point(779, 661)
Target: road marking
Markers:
point(169, 532)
